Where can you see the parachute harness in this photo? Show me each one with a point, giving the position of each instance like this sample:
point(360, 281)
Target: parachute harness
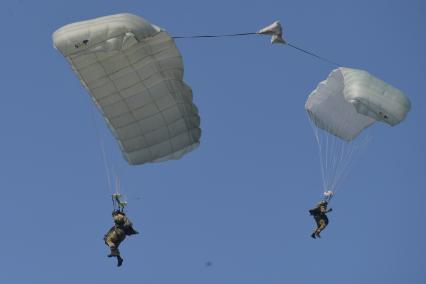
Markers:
point(118, 201)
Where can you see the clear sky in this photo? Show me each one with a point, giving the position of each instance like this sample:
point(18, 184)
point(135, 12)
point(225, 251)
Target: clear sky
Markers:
point(240, 200)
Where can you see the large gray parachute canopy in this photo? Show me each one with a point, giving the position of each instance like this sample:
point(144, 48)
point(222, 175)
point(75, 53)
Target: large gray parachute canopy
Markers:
point(350, 100)
point(134, 74)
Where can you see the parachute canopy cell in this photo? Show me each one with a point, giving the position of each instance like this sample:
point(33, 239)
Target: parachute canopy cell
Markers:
point(350, 100)
point(134, 74)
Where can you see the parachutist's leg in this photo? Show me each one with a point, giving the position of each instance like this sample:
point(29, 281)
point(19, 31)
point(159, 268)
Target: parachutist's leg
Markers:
point(113, 247)
point(132, 231)
point(114, 252)
point(322, 224)
point(317, 221)
point(119, 260)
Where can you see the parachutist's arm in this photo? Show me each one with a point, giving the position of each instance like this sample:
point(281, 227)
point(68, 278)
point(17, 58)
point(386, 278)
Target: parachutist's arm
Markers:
point(329, 210)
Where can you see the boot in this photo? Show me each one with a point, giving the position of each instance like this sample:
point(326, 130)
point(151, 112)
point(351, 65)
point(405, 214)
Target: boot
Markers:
point(313, 235)
point(119, 260)
point(130, 231)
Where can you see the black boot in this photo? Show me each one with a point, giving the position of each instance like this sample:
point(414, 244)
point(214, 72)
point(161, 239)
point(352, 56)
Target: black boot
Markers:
point(119, 260)
point(130, 231)
point(313, 235)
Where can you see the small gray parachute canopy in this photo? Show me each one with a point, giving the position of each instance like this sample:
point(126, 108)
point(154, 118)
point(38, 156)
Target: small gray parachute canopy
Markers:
point(275, 30)
point(350, 100)
point(340, 108)
point(134, 74)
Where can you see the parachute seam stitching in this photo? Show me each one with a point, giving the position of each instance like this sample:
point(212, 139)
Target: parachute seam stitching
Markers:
point(124, 102)
point(152, 54)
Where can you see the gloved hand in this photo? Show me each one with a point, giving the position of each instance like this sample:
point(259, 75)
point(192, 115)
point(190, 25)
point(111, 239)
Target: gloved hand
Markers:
point(331, 209)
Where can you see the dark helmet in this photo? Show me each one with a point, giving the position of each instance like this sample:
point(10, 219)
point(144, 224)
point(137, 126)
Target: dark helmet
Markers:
point(118, 212)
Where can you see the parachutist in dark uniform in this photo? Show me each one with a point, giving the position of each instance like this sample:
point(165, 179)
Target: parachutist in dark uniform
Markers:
point(319, 213)
point(122, 228)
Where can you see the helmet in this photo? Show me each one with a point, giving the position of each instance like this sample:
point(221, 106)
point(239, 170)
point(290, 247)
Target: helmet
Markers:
point(118, 212)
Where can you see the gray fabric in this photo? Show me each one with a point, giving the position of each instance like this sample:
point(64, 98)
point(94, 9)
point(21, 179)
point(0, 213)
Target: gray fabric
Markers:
point(134, 74)
point(351, 100)
point(374, 97)
point(329, 110)
point(275, 30)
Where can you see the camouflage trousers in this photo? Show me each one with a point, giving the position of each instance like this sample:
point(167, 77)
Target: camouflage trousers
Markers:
point(322, 222)
point(113, 239)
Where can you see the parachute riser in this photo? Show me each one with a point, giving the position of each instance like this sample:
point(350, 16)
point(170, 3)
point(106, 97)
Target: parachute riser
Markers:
point(117, 203)
point(328, 195)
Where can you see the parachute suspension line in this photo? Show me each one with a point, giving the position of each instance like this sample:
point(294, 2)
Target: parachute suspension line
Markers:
point(117, 185)
point(329, 157)
point(113, 179)
point(339, 152)
point(326, 161)
point(321, 156)
point(109, 171)
point(317, 138)
point(254, 33)
point(347, 151)
point(340, 160)
point(329, 152)
point(98, 136)
point(341, 155)
point(314, 55)
point(354, 154)
point(336, 156)
point(336, 152)
point(213, 36)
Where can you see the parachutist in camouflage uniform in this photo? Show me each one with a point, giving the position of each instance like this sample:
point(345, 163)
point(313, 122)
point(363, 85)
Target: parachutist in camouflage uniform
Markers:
point(319, 213)
point(122, 228)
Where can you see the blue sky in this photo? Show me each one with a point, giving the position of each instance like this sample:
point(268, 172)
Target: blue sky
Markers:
point(240, 200)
